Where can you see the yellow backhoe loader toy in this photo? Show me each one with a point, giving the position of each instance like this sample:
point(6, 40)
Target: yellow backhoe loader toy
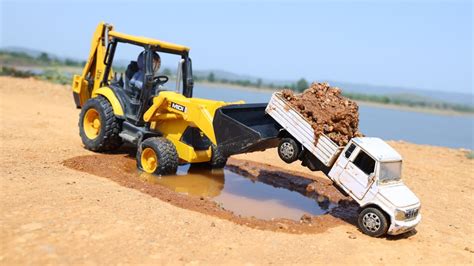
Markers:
point(167, 127)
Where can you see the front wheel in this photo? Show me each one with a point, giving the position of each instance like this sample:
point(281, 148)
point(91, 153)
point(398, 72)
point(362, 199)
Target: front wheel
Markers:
point(157, 156)
point(372, 222)
point(218, 160)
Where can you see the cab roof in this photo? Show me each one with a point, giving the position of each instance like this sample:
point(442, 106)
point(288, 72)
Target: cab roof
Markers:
point(378, 149)
point(149, 41)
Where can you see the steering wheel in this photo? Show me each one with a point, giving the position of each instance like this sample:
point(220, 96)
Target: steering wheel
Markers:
point(160, 80)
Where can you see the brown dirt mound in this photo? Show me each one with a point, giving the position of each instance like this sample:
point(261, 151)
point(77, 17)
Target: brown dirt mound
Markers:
point(327, 111)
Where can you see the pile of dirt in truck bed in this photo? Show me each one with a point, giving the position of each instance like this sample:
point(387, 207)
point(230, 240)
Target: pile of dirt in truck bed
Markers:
point(327, 111)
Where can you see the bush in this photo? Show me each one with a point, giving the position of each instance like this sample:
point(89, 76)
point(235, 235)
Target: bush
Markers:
point(301, 85)
point(55, 76)
point(470, 155)
point(211, 77)
point(11, 71)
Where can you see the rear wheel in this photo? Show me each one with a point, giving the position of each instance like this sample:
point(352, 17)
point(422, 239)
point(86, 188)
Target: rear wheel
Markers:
point(288, 150)
point(157, 156)
point(372, 222)
point(99, 128)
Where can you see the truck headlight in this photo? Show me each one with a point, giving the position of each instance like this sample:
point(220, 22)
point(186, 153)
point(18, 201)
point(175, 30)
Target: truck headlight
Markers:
point(399, 215)
point(409, 214)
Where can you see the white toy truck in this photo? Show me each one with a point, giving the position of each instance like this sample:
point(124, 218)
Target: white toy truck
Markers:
point(367, 169)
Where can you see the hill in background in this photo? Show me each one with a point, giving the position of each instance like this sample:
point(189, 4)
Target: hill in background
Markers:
point(36, 61)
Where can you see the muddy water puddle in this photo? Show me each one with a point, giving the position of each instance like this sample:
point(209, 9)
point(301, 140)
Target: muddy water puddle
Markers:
point(246, 193)
point(242, 195)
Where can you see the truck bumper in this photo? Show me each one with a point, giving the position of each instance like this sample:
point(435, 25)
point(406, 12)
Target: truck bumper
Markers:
point(400, 227)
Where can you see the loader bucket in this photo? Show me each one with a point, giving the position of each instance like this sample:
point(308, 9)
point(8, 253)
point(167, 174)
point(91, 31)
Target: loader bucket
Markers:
point(244, 128)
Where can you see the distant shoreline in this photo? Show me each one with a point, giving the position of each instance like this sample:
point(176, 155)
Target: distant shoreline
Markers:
point(363, 103)
point(56, 76)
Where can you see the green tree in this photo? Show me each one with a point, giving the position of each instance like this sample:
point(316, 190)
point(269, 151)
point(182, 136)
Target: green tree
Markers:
point(301, 85)
point(211, 77)
point(167, 72)
point(44, 57)
point(70, 62)
point(259, 83)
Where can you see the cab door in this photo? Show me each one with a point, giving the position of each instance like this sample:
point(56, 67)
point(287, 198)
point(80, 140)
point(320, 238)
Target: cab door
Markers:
point(341, 162)
point(355, 176)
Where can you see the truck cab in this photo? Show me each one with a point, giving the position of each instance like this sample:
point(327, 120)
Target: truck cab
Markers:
point(369, 170)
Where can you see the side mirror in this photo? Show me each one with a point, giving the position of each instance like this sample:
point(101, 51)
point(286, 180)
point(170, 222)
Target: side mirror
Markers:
point(371, 178)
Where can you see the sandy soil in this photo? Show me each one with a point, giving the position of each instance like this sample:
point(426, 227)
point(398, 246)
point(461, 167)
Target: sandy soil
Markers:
point(50, 213)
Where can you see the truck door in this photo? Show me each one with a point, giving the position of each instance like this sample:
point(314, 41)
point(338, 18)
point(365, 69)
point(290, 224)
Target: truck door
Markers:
point(341, 162)
point(355, 177)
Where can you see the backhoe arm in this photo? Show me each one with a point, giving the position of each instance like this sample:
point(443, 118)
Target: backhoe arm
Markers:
point(83, 85)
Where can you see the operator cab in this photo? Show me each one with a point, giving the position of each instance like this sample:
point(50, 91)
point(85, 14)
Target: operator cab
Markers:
point(133, 78)
point(137, 82)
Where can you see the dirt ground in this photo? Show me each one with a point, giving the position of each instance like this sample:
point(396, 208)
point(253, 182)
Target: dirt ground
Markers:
point(50, 213)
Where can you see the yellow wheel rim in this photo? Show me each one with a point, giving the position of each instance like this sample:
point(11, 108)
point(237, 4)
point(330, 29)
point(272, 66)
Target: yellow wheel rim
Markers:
point(149, 160)
point(91, 124)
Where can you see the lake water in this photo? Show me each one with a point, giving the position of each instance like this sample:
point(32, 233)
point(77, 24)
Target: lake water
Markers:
point(455, 131)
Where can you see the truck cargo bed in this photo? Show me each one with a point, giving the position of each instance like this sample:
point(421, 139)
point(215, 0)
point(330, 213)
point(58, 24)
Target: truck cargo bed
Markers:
point(323, 148)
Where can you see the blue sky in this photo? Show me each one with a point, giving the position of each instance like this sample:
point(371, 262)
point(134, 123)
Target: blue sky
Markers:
point(424, 44)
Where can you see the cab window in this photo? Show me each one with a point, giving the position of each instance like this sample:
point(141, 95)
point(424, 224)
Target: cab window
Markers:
point(364, 162)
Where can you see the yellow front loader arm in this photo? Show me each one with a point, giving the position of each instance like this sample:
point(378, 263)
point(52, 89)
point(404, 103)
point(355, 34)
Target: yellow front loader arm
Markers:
point(172, 113)
point(170, 105)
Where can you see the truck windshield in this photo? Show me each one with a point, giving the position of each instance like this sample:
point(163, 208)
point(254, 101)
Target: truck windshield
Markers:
point(390, 172)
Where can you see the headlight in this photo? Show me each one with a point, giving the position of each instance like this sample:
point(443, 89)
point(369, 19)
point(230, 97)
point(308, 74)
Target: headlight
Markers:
point(399, 215)
point(409, 214)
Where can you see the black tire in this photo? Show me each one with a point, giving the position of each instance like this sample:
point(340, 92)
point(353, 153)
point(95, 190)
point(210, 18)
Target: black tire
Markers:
point(289, 150)
point(166, 154)
point(218, 160)
point(372, 222)
point(108, 138)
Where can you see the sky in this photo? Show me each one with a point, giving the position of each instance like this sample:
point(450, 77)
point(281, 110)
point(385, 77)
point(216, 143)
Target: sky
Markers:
point(413, 44)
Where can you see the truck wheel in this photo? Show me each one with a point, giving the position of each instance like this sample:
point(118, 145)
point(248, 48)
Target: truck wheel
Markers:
point(157, 156)
point(372, 222)
point(99, 128)
point(218, 160)
point(288, 150)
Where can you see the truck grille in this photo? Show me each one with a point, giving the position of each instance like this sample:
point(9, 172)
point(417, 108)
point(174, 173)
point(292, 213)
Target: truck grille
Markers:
point(411, 213)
